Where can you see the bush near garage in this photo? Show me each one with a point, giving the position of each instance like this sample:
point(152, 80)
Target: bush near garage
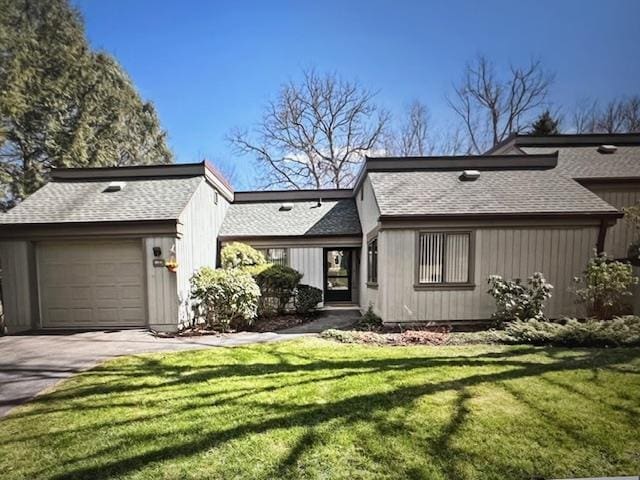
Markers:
point(224, 297)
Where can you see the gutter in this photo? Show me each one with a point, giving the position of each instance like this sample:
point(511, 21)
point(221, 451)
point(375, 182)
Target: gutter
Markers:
point(498, 216)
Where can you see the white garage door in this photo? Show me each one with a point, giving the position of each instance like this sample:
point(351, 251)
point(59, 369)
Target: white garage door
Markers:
point(91, 284)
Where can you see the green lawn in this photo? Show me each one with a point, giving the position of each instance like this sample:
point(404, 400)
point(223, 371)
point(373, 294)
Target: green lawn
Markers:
point(317, 409)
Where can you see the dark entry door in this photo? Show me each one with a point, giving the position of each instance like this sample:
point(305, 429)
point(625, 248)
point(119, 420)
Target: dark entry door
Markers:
point(337, 274)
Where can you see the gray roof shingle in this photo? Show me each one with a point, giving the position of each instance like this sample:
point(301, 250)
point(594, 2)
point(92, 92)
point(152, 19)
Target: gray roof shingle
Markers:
point(306, 218)
point(86, 201)
point(495, 192)
point(585, 162)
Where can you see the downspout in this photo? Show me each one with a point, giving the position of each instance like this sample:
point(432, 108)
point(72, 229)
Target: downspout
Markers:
point(602, 235)
point(218, 252)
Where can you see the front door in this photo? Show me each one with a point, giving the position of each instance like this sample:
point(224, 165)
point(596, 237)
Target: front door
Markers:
point(337, 274)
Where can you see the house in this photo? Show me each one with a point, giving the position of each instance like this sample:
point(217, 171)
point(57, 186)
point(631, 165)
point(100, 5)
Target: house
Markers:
point(89, 248)
point(606, 164)
point(415, 238)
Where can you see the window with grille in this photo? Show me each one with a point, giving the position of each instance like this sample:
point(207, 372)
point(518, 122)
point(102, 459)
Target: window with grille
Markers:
point(372, 261)
point(444, 258)
point(276, 256)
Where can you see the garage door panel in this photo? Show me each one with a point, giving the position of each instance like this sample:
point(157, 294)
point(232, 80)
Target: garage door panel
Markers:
point(91, 283)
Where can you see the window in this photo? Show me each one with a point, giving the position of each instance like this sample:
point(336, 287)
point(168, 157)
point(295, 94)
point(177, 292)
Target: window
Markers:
point(215, 197)
point(372, 261)
point(277, 256)
point(444, 258)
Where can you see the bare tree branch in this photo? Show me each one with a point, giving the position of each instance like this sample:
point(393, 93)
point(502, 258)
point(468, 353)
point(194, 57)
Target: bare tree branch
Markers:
point(490, 108)
point(620, 115)
point(314, 134)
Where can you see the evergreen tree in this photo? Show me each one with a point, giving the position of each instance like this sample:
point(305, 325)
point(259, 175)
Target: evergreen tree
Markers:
point(545, 124)
point(62, 105)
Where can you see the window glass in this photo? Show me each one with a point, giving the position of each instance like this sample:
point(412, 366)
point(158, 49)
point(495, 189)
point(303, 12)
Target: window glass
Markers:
point(372, 261)
point(443, 257)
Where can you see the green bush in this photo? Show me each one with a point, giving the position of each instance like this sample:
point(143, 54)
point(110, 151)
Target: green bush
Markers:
point(238, 255)
point(277, 285)
point(621, 331)
point(516, 301)
point(604, 285)
point(224, 297)
point(633, 253)
point(369, 321)
point(307, 299)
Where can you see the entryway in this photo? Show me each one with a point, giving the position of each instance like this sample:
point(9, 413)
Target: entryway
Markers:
point(339, 278)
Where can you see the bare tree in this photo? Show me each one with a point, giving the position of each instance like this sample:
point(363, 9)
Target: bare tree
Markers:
point(412, 137)
point(315, 133)
point(491, 108)
point(417, 136)
point(584, 116)
point(620, 115)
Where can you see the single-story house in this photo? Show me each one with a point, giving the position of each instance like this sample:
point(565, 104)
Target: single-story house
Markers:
point(415, 238)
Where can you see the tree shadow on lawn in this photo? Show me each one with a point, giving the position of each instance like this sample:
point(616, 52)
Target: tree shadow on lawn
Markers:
point(470, 371)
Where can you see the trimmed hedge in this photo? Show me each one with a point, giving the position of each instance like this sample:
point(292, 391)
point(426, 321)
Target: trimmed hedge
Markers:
point(277, 284)
point(307, 299)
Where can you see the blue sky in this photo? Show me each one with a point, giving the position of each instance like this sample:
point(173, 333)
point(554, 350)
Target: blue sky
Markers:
point(209, 66)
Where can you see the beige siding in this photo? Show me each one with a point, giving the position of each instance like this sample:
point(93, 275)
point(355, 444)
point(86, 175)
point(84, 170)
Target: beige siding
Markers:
point(308, 261)
point(369, 214)
point(18, 285)
point(559, 253)
point(196, 247)
point(621, 234)
point(162, 292)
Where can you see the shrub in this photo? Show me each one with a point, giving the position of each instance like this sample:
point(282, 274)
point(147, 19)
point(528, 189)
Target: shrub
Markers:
point(237, 255)
point(622, 331)
point(277, 283)
point(307, 299)
point(223, 297)
point(516, 301)
point(604, 283)
point(369, 321)
point(633, 253)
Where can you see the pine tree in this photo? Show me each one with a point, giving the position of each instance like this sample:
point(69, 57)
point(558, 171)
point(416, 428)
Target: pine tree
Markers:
point(63, 105)
point(545, 124)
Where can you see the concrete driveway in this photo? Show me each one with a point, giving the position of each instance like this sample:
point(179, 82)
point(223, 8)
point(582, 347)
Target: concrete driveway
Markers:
point(31, 363)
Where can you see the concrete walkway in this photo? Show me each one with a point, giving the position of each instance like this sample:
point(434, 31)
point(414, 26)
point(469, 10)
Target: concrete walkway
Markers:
point(34, 362)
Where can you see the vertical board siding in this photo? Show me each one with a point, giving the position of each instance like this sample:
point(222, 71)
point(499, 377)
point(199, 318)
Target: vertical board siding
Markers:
point(559, 253)
point(369, 213)
point(197, 247)
point(162, 293)
point(308, 261)
point(621, 234)
point(18, 286)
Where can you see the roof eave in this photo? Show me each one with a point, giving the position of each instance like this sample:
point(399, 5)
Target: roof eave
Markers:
point(490, 216)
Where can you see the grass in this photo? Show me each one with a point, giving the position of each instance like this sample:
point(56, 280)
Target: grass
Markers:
point(317, 409)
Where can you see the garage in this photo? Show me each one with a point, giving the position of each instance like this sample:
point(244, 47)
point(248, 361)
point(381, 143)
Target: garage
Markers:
point(91, 283)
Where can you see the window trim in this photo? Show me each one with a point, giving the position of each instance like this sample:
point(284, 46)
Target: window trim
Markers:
point(468, 285)
point(372, 283)
point(265, 252)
